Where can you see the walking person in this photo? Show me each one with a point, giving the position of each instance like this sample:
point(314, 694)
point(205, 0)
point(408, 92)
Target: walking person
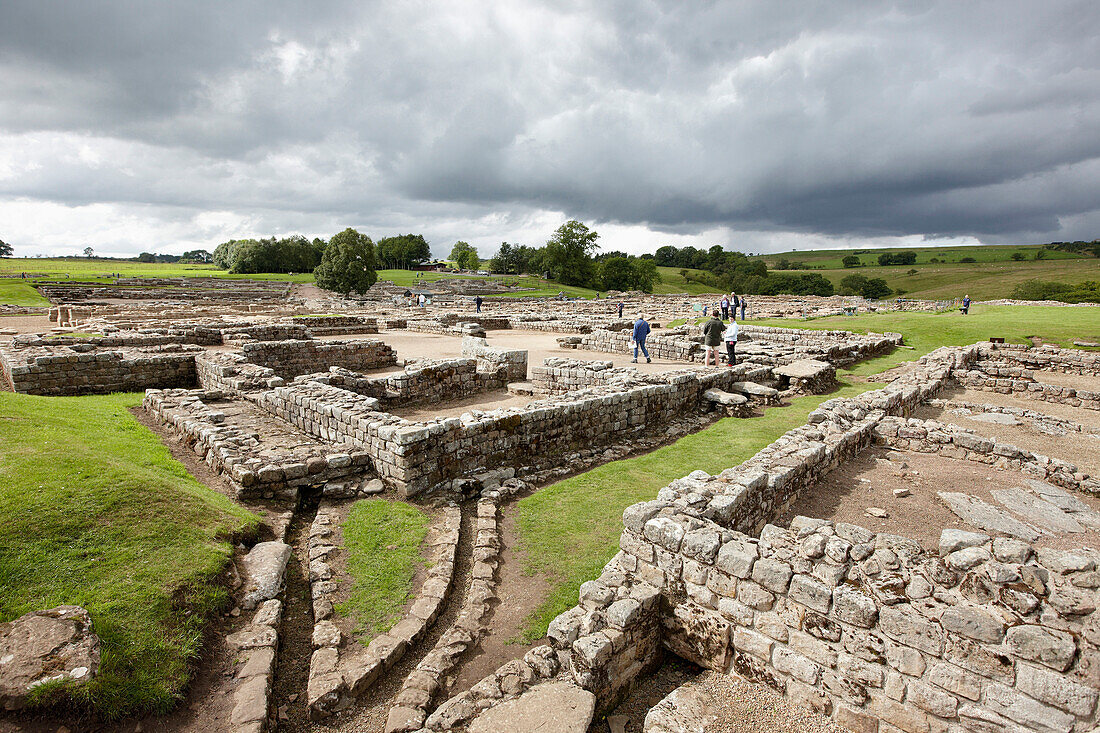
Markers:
point(641, 330)
point(966, 305)
point(712, 338)
point(725, 307)
point(736, 305)
point(621, 309)
point(478, 301)
point(744, 304)
point(730, 337)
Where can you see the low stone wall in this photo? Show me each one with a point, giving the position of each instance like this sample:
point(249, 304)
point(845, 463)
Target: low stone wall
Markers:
point(193, 417)
point(225, 372)
point(84, 369)
point(1045, 358)
point(419, 456)
point(951, 441)
point(426, 381)
point(293, 357)
point(1018, 380)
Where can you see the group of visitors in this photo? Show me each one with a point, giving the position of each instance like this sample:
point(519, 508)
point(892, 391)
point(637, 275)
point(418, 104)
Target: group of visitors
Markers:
point(730, 304)
point(715, 333)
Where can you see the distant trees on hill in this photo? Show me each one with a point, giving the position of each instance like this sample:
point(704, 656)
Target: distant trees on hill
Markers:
point(6, 250)
point(897, 258)
point(348, 264)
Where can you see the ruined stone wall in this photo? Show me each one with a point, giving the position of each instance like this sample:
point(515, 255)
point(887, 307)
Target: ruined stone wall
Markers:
point(226, 372)
point(87, 370)
point(194, 418)
point(1009, 379)
point(1044, 358)
point(293, 357)
point(426, 381)
point(987, 636)
point(512, 361)
point(418, 456)
point(951, 441)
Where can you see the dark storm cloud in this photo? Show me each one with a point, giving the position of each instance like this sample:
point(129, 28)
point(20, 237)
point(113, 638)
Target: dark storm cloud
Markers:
point(846, 119)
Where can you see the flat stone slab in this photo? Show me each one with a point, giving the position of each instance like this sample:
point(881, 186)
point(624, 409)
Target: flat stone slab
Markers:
point(1039, 512)
point(55, 645)
point(552, 707)
point(754, 389)
point(997, 418)
point(984, 516)
point(725, 398)
point(1060, 498)
point(264, 570)
point(687, 709)
point(804, 369)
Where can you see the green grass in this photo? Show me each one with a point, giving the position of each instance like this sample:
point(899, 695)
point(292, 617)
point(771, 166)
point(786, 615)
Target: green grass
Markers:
point(17, 292)
point(993, 275)
point(97, 513)
point(101, 270)
point(673, 282)
point(928, 331)
point(570, 530)
point(832, 258)
point(383, 541)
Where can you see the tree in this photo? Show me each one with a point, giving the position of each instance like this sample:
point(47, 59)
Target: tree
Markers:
point(850, 261)
point(197, 255)
point(569, 253)
point(875, 289)
point(465, 256)
point(6, 250)
point(89, 252)
point(348, 264)
point(146, 257)
point(1020, 256)
point(403, 251)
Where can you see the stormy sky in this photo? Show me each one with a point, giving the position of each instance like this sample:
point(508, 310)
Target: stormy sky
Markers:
point(765, 126)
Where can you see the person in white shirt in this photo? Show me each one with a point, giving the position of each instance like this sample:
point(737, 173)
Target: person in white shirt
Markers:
point(730, 337)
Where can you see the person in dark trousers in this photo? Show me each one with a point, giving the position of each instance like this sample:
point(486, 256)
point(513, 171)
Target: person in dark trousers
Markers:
point(641, 330)
point(744, 304)
point(620, 309)
point(730, 337)
point(736, 305)
point(712, 338)
point(966, 305)
point(725, 307)
point(478, 301)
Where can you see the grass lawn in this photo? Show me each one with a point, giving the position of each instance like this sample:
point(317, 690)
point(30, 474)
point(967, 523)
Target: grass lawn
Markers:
point(832, 258)
point(17, 292)
point(383, 541)
point(97, 513)
point(570, 530)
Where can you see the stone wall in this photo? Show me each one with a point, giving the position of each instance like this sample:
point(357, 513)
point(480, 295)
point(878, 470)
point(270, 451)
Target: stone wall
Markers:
point(84, 369)
point(227, 372)
point(418, 456)
point(291, 358)
point(194, 418)
point(425, 381)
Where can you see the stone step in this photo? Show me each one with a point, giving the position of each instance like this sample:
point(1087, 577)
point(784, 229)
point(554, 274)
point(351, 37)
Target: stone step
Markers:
point(522, 388)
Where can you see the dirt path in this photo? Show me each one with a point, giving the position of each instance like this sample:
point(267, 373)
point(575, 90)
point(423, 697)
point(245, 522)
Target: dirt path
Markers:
point(519, 594)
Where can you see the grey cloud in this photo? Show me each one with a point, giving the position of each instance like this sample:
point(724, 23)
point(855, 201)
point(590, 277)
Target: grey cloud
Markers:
point(842, 119)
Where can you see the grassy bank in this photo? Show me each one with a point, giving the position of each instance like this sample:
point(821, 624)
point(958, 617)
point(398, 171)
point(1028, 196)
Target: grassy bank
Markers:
point(382, 539)
point(17, 292)
point(570, 530)
point(97, 513)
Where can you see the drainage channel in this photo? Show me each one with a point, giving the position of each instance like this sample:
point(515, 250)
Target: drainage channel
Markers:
point(288, 698)
point(372, 708)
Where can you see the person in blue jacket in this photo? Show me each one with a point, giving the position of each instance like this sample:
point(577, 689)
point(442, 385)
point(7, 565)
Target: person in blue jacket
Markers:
point(641, 330)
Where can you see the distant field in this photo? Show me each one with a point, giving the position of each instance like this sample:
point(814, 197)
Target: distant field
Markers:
point(993, 275)
point(673, 282)
point(831, 258)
